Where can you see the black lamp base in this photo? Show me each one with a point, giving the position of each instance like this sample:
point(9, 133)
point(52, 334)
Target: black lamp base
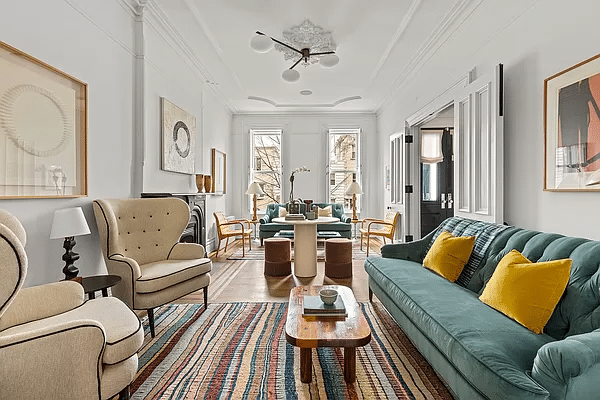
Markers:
point(70, 270)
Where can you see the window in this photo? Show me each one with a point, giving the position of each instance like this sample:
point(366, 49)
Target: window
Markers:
point(266, 167)
point(343, 164)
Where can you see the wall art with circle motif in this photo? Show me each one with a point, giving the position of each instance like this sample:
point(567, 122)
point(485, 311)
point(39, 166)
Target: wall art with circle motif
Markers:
point(178, 139)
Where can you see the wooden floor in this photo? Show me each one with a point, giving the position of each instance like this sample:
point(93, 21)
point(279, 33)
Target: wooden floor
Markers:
point(244, 280)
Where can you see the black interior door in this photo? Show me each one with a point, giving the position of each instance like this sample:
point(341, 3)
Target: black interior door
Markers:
point(437, 188)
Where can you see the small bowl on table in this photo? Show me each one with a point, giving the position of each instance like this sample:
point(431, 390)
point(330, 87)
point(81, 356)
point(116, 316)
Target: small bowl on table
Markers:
point(328, 296)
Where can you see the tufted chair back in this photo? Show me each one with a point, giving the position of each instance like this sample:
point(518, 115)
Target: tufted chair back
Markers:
point(13, 260)
point(142, 229)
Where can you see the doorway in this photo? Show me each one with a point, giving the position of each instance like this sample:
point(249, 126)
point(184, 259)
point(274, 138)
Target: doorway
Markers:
point(437, 184)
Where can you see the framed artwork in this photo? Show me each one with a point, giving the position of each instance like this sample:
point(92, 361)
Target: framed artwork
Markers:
point(178, 139)
point(43, 129)
point(572, 128)
point(219, 171)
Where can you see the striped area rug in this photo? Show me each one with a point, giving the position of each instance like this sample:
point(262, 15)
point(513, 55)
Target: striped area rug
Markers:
point(239, 351)
point(258, 252)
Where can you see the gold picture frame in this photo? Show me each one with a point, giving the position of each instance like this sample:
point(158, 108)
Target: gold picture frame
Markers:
point(43, 127)
point(219, 172)
point(572, 128)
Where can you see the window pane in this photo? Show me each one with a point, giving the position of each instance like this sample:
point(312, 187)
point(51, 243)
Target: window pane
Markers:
point(430, 182)
point(342, 149)
point(337, 189)
point(266, 170)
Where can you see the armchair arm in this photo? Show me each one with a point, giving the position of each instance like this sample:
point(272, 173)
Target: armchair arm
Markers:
point(240, 222)
point(186, 251)
point(378, 223)
point(38, 302)
point(118, 262)
point(35, 363)
point(562, 364)
point(411, 251)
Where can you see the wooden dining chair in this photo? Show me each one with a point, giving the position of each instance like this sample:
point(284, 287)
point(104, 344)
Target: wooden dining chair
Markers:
point(384, 228)
point(225, 231)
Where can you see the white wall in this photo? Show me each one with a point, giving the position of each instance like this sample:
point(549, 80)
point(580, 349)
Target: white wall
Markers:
point(94, 42)
point(533, 45)
point(304, 143)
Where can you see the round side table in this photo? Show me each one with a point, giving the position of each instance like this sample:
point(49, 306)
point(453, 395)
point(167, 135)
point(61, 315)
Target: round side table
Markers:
point(91, 284)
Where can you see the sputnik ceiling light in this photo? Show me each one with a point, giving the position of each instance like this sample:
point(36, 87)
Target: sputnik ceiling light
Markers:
point(306, 44)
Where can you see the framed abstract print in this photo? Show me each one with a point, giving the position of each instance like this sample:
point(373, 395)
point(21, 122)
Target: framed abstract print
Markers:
point(572, 128)
point(178, 139)
point(43, 129)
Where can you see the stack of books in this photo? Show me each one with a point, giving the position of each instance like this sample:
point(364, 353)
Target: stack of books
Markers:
point(295, 217)
point(313, 306)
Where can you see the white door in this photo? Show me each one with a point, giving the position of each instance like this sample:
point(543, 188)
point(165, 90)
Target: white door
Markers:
point(478, 149)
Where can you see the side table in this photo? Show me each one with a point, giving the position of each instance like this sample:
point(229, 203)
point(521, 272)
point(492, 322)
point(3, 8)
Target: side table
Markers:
point(355, 222)
point(91, 284)
point(254, 223)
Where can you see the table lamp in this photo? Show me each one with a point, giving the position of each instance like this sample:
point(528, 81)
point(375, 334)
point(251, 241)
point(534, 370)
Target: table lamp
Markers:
point(353, 190)
point(254, 189)
point(68, 223)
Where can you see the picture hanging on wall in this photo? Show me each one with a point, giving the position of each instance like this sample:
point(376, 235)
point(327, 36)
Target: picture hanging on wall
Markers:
point(43, 127)
point(219, 172)
point(178, 139)
point(572, 128)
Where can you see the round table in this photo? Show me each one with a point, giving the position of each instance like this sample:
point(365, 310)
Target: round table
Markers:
point(305, 243)
point(92, 284)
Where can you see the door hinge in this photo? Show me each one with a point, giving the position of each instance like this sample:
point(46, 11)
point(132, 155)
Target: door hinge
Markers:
point(408, 138)
point(408, 189)
point(408, 238)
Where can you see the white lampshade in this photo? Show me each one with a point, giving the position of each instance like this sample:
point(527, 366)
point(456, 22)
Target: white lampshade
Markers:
point(255, 188)
point(329, 60)
point(290, 75)
point(261, 43)
point(354, 188)
point(69, 222)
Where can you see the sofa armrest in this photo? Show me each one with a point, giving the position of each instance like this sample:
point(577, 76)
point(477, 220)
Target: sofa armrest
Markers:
point(265, 219)
point(411, 251)
point(345, 219)
point(186, 251)
point(38, 302)
point(558, 363)
point(123, 266)
point(35, 363)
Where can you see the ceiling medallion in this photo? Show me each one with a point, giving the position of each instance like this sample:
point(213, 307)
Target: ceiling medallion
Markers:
point(305, 43)
point(306, 35)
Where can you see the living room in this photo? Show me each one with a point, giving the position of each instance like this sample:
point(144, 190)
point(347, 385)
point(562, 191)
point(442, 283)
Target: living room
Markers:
point(133, 53)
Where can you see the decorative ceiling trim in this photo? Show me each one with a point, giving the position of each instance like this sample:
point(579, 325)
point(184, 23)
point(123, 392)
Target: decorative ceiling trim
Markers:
point(306, 35)
point(323, 105)
point(213, 41)
point(459, 12)
point(410, 13)
point(165, 27)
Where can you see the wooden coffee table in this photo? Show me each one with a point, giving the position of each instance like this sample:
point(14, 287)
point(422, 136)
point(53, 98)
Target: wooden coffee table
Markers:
point(312, 332)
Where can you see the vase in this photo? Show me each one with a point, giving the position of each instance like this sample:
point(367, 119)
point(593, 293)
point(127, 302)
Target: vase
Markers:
point(200, 183)
point(207, 183)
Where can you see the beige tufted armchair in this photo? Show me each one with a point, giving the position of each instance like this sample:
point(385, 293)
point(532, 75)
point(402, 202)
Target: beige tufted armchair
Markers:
point(55, 345)
point(140, 242)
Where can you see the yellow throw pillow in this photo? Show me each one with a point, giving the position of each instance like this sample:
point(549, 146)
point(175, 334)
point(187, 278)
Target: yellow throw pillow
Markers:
point(325, 212)
point(527, 292)
point(449, 254)
point(282, 212)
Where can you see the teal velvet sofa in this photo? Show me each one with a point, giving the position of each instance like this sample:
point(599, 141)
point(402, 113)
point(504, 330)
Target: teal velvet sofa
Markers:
point(267, 228)
point(479, 352)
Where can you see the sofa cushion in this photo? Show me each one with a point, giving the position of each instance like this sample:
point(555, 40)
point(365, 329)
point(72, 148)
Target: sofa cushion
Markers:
point(527, 292)
point(273, 227)
point(492, 351)
point(159, 275)
point(449, 254)
point(335, 227)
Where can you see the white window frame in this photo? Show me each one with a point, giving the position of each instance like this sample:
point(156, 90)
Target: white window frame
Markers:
point(252, 167)
point(357, 171)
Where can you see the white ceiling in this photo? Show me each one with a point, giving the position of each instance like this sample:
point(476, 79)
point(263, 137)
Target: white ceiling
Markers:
point(380, 43)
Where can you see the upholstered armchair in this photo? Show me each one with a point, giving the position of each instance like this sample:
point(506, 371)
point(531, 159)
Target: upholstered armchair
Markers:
point(384, 228)
point(140, 242)
point(55, 345)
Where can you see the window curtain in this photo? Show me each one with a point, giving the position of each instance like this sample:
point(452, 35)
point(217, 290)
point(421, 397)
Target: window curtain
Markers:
point(431, 147)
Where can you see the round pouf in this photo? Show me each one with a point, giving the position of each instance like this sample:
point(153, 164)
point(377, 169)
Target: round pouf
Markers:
point(278, 256)
point(338, 258)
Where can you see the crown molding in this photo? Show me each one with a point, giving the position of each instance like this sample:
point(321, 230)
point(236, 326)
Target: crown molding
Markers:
point(401, 28)
point(300, 113)
point(159, 20)
point(323, 105)
point(459, 12)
